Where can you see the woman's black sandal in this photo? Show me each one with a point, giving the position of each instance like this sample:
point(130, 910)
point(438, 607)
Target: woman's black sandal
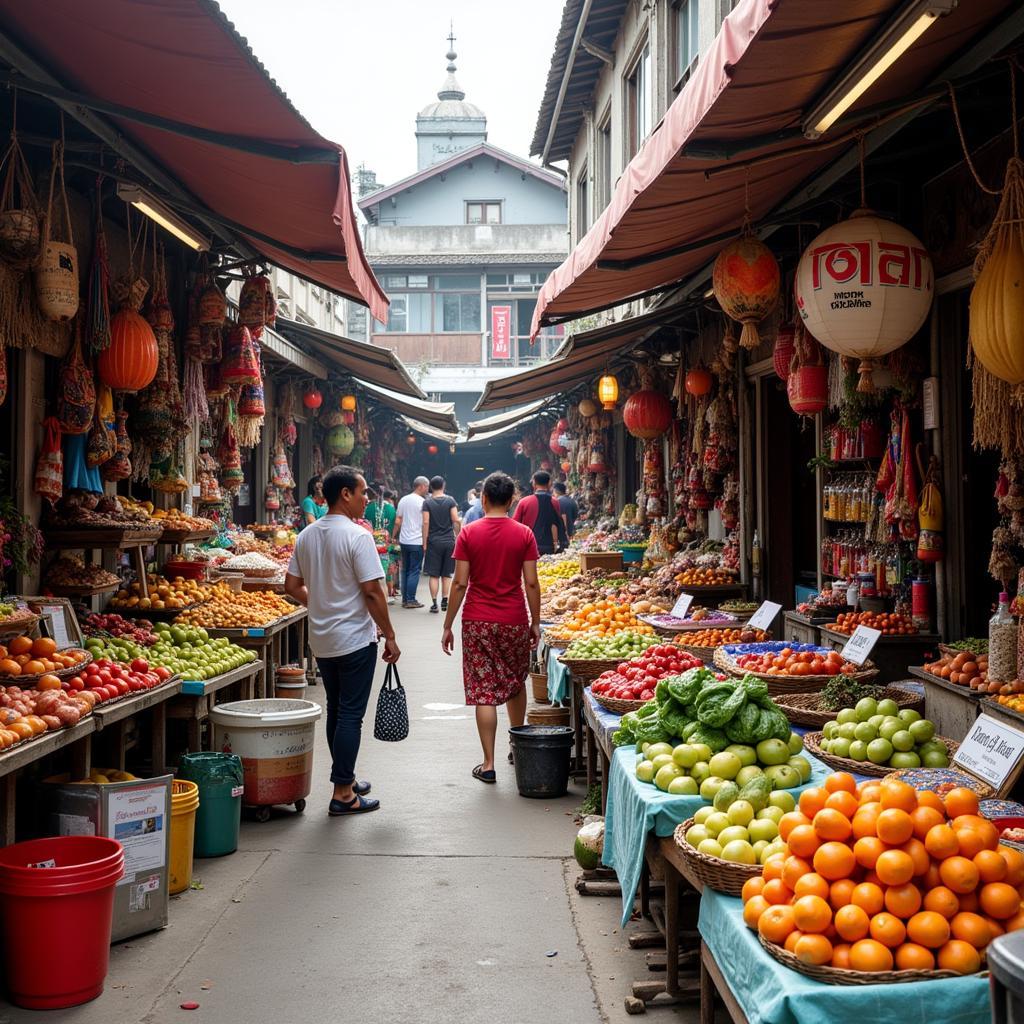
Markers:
point(484, 776)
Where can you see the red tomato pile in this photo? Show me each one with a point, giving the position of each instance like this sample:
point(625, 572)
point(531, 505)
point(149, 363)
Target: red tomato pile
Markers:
point(636, 679)
point(796, 663)
point(110, 679)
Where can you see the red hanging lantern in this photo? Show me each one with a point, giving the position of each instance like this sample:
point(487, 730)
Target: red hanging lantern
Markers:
point(783, 353)
point(431, 449)
point(129, 362)
point(746, 281)
point(553, 441)
point(697, 382)
point(807, 384)
point(647, 414)
point(312, 398)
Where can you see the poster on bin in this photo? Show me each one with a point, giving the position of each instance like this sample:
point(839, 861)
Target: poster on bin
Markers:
point(501, 332)
point(137, 819)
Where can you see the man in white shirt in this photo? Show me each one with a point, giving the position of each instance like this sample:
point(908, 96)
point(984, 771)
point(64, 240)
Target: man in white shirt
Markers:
point(335, 572)
point(409, 534)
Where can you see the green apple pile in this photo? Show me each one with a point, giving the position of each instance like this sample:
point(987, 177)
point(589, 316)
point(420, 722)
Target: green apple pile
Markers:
point(692, 769)
point(881, 732)
point(621, 646)
point(186, 650)
point(744, 831)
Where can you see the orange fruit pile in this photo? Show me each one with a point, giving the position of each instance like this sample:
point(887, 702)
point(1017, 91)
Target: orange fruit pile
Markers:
point(880, 877)
point(603, 618)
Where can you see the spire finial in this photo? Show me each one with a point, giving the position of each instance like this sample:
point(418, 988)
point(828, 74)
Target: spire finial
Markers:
point(451, 54)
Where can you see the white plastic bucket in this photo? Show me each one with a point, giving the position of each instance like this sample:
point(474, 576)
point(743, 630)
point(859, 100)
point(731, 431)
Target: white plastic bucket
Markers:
point(274, 738)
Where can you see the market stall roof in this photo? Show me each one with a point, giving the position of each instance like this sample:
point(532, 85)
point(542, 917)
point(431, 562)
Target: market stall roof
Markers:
point(685, 192)
point(505, 420)
point(580, 357)
point(175, 78)
point(448, 436)
point(438, 415)
point(368, 363)
point(490, 435)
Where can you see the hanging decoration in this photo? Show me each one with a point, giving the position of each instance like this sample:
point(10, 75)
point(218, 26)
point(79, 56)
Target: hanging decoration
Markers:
point(76, 401)
point(340, 441)
point(19, 207)
point(588, 407)
point(554, 441)
point(782, 354)
point(231, 475)
point(49, 476)
point(863, 288)
point(56, 272)
point(251, 414)
point(746, 282)
point(119, 466)
point(697, 381)
point(896, 478)
point(102, 444)
point(240, 365)
point(97, 306)
point(257, 307)
point(311, 397)
point(647, 414)
point(608, 391)
point(432, 449)
point(807, 384)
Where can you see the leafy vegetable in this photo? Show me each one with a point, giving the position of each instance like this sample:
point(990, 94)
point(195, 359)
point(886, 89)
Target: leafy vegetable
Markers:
point(844, 692)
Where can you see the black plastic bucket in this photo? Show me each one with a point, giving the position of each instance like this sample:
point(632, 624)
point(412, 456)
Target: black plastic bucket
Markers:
point(1006, 963)
point(541, 754)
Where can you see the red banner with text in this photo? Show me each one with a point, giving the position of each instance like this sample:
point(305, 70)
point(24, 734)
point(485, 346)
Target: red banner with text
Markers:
point(501, 332)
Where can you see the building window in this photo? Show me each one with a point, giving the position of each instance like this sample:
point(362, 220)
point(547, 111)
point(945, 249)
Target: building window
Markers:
point(448, 302)
point(638, 100)
point(483, 212)
point(603, 161)
point(687, 40)
point(457, 312)
point(518, 282)
point(582, 202)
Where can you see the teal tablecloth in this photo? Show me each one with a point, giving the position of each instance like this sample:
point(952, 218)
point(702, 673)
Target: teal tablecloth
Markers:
point(772, 994)
point(636, 808)
point(558, 676)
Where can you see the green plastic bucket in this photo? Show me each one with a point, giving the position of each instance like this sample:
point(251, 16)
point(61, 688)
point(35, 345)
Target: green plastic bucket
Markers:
point(220, 781)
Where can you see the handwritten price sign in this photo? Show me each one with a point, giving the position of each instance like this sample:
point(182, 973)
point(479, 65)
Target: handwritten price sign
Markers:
point(991, 751)
point(765, 615)
point(682, 606)
point(859, 647)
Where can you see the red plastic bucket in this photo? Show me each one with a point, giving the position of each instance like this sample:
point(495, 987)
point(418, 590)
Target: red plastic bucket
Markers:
point(65, 910)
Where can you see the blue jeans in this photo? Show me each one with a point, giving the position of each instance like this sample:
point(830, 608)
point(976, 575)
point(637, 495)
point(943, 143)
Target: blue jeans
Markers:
point(348, 681)
point(412, 563)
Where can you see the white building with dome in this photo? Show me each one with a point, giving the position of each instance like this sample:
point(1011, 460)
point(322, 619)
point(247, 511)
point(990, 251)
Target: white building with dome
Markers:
point(472, 231)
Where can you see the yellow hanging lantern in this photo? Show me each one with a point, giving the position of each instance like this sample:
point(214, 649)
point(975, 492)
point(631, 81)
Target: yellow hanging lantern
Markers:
point(348, 403)
point(608, 391)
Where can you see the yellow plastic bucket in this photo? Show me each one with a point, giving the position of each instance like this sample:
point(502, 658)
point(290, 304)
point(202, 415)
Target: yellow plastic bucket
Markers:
point(184, 804)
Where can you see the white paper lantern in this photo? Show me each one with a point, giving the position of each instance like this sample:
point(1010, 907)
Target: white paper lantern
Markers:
point(863, 288)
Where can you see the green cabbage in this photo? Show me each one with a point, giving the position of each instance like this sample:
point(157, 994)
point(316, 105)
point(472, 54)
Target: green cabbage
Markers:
point(745, 726)
point(714, 738)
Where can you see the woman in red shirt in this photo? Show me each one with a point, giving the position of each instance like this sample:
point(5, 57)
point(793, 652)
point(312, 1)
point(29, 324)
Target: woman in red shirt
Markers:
point(494, 558)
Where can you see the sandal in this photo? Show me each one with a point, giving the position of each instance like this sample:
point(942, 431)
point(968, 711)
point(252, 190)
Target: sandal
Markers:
point(485, 776)
point(358, 805)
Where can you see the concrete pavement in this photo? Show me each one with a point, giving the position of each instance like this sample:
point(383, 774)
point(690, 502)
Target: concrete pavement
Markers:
point(440, 907)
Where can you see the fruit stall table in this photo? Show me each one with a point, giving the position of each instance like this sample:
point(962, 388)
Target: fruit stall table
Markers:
point(636, 809)
point(952, 708)
point(599, 724)
point(804, 629)
point(758, 989)
point(198, 696)
point(13, 760)
point(179, 538)
point(132, 540)
point(115, 715)
point(267, 642)
point(892, 654)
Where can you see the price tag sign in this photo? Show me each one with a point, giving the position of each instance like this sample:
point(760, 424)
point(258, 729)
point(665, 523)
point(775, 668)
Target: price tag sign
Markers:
point(58, 626)
point(765, 615)
point(859, 647)
point(682, 606)
point(991, 751)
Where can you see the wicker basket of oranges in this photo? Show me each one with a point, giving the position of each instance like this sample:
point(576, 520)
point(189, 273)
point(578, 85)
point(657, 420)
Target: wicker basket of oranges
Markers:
point(26, 660)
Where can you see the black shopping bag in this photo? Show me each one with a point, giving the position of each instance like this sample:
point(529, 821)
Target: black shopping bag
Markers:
point(391, 723)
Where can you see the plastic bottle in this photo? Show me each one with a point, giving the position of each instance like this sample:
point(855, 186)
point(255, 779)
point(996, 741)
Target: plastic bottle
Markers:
point(1002, 643)
point(755, 554)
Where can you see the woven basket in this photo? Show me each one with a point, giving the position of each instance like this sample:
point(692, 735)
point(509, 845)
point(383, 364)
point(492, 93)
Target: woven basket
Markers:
point(812, 742)
point(786, 684)
point(720, 875)
point(617, 705)
point(842, 976)
point(587, 670)
point(60, 673)
point(706, 654)
point(805, 708)
point(549, 715)
point(952, 651)
point(15, 627)
point(539, 685)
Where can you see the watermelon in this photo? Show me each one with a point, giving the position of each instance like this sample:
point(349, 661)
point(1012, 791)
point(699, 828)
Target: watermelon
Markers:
point(589, 845)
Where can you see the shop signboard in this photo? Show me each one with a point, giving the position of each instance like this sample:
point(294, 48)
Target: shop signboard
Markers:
point(501, 332)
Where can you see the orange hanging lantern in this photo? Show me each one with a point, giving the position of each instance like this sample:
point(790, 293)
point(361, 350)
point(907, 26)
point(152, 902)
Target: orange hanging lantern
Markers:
point(129, 362)
point(608, 391)
point(697, 382)
point(647, 414)
point(348, 403)
point(746, 280)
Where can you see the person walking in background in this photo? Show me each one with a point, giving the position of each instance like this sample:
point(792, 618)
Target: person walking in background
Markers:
point(475, 510)
point(569, 507)
point(408, 530)
point(441, 525)
point(381, 515)
point(394, 552)
point(314, 506)
point(336, 574)
point(495, 558)
point(540, 512)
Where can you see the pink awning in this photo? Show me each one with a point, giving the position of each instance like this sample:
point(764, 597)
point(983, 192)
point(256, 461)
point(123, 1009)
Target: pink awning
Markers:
point(769, 63)
point(182, 60)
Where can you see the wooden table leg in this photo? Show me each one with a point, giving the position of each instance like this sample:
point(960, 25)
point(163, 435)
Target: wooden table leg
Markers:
point(645, 890)
point(8, 807)
point(138, 560)
point(707, 991)
point(158, 739)
point(671, 929)
point(81, 757)
point(195, 733)
point(121, 743)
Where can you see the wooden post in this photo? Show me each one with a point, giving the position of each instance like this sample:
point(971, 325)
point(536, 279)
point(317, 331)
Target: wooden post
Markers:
point(158, 745)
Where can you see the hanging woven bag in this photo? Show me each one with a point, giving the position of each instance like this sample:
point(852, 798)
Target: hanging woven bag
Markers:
point(49, 478)
point(19, 211)
point(56, 273)
point(77, 401)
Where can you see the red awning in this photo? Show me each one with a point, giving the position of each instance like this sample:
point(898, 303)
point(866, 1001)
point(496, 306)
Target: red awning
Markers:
point(183, 61)
point(769, 63)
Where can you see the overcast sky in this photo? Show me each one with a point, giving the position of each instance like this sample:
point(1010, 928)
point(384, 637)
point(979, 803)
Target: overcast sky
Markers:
point(360, 70)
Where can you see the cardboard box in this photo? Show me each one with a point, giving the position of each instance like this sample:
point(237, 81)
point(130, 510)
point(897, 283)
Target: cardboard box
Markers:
point(138, 815)
point(609, 561)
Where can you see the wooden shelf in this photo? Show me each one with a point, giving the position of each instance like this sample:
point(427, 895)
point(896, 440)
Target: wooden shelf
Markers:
point(95, 538)
point(70, 591)
point(186, 536)
point(114, 711)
